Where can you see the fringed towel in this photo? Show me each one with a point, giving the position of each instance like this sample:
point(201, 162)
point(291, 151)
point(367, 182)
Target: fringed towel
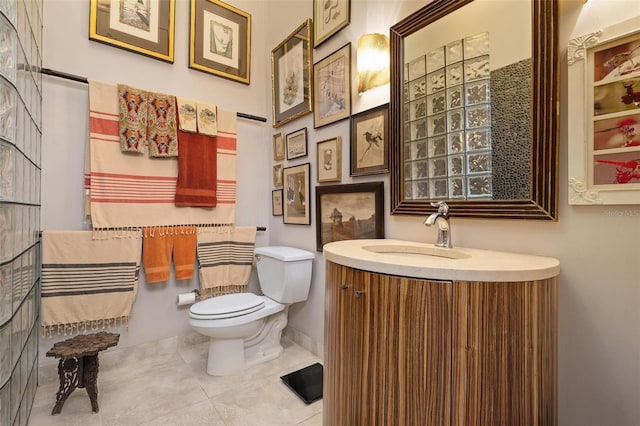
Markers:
point(187, 115)
point(162, 125)
point(225, 257)
point(88, 283)
point(132, 104)
point(137, 191)
point(159, 243)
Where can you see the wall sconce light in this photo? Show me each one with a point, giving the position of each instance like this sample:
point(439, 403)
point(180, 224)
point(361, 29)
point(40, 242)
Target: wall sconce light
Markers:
point(373, 61)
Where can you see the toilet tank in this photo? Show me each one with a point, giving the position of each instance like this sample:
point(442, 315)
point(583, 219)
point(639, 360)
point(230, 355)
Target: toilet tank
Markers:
point(284, 273)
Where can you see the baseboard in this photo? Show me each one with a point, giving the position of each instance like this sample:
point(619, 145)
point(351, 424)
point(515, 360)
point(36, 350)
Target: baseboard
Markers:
point(301, 339)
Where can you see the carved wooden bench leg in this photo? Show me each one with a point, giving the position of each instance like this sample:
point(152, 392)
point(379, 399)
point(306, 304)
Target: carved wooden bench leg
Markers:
point(91, 380)
point(68, 374)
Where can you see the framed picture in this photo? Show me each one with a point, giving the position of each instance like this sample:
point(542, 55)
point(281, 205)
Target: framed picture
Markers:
point(277, 174)
point(329, 18)
point(296, 208)
point(332, 87)
point(276, 202)
point(220, 40)
point(291, 76)
point(349, 212)
point(144, 26)
point(296, 144)
point(604, 141)
point(370, 141)
point(278, 147)
point(329, 160)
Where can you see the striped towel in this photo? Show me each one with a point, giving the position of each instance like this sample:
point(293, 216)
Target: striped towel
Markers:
point(137, 191)
point(225, 257)
point(88, 283)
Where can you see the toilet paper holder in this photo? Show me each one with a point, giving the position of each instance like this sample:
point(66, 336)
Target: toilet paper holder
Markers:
point(188, 298)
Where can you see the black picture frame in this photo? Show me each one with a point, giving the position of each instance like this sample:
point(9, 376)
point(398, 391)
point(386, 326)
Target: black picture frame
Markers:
point(362, 202)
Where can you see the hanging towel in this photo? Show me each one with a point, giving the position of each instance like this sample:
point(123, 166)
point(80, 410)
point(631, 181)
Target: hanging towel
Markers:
point(197, 170)
point(160, 243)
point(132, 190)
point(162, 126)
point(225, 257)
point(133, 110)
point(207, 119)
point(88, 283)
point(187, 115)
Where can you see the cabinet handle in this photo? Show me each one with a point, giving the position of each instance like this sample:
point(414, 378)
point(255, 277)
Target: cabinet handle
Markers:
point(359, 293)
point(344, 287)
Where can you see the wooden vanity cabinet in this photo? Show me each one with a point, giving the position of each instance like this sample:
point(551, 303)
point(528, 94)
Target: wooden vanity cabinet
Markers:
point(387, 349)
point(413, 352)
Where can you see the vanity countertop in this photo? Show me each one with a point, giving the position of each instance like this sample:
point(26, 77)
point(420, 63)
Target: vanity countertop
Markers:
point(410, 259)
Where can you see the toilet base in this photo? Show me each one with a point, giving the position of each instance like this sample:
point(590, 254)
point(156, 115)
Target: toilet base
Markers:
point(224, 356)
point(229, 356)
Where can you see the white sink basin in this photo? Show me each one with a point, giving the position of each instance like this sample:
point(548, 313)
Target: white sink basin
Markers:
point(417, 251)
point(423, 260)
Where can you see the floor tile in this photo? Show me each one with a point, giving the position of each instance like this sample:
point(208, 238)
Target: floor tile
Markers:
point(293, 358)
point(144, 398)
point(199, 414)
point(267, 402)
point(166, 383)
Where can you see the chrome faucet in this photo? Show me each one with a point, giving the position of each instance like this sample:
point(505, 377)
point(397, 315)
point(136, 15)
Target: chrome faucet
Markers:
point(440, 218)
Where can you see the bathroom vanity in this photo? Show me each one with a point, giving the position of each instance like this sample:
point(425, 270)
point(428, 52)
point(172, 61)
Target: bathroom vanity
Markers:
point(421, 335)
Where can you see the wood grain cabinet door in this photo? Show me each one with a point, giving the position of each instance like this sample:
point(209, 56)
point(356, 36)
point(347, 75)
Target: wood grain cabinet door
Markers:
point(387, 349)
point(342, 336)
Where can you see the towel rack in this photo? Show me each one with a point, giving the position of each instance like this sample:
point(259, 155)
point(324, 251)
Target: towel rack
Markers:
point(85, 80)
point(258, 228)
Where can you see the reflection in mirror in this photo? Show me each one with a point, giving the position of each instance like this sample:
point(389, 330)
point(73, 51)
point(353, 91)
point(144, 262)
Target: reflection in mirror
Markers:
point(473, 109)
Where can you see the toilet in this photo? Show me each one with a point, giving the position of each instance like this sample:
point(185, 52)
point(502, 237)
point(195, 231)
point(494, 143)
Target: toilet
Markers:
point(244, 329)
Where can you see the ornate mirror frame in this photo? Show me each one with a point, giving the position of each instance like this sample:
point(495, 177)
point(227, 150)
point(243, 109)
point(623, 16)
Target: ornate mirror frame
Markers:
point(543, 201)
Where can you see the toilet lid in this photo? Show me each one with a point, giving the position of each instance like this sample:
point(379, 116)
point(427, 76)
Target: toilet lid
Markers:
point(227, 306)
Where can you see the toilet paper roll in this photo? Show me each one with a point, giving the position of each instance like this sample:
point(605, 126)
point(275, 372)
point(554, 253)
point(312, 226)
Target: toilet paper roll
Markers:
point(186, 298)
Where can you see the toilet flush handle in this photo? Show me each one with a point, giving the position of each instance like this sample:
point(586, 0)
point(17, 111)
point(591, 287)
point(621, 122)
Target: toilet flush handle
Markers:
point(258, 257)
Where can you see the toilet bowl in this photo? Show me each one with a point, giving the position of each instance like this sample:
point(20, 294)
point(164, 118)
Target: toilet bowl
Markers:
point(244, 329)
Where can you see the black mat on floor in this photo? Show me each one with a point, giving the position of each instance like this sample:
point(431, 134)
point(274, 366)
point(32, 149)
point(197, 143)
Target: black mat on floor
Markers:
point(306, 382)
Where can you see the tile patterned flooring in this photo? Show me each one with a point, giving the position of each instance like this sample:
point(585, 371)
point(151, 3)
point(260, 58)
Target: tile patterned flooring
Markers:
point(165, 383)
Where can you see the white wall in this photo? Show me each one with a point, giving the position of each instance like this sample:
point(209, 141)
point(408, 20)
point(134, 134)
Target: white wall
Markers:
point(67, 48)
point(599, 296)
point(599, 308)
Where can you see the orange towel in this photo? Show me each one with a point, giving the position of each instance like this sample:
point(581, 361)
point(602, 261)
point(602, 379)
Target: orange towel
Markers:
point(159, 243)
point(197, 170)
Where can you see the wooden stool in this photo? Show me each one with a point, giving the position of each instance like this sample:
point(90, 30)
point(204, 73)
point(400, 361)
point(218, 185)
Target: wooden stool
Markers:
point(78, 365)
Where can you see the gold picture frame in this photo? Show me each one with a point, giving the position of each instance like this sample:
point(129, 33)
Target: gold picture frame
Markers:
point(147, 28)
point(329, 19)
point(332, 87)
point(276, 202)
point(220, 40)
point(291, 75)
point(329, 159)
point(296, 197)
point(278, 147)
point(277, 174)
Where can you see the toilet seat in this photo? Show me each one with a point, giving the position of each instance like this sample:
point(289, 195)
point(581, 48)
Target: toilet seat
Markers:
point(227, 306)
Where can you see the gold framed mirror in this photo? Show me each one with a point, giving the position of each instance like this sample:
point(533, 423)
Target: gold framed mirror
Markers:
point(473, 109)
